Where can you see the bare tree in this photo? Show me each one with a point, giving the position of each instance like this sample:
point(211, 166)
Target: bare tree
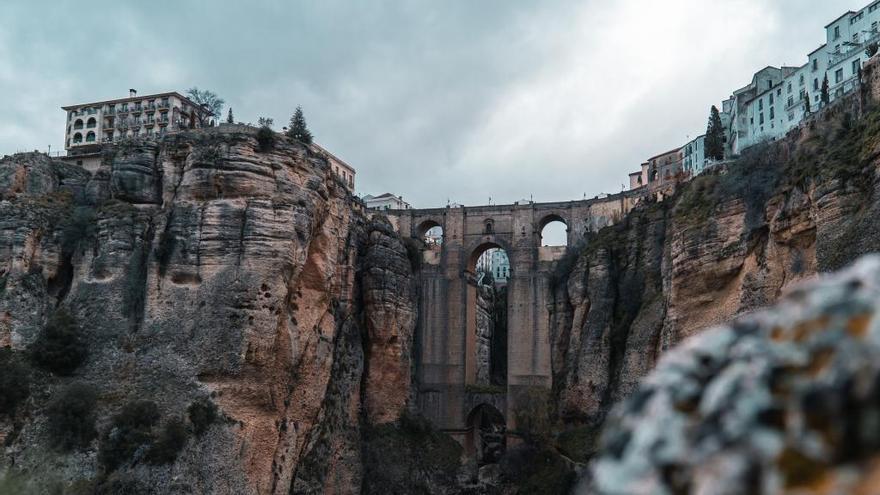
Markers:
point(208, 100)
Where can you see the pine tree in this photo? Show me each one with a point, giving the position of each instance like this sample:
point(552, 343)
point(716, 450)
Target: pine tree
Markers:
point(229, 118)
point(298, 129)
point(714, 148)
point(825, 96)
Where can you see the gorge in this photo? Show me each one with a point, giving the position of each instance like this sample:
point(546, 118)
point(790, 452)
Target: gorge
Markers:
point(244, 325)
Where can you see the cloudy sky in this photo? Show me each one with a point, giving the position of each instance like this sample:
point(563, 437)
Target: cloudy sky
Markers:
point(434, 100)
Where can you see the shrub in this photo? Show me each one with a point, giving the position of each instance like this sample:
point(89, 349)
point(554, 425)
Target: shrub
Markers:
point(59, 348)
point(71, 416)
point(202, 414)
point(532, 415)
point(169, 442)
point(265, 139)
point(129, 430)
point(15, 382)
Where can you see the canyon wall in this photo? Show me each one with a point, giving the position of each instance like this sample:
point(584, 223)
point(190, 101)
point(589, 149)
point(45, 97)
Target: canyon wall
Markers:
point(206, 266)
point(730, 241)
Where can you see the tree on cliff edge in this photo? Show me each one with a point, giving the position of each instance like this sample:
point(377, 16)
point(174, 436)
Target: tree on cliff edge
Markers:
point(714, 136)
point(298, 129)
point(824, 95)
point(207, 99)
point(229, 118)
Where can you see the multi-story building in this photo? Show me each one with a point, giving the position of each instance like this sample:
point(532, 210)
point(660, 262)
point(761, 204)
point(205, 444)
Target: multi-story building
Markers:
point(386, 201)
point(741, 122)
point(342, 169)
point(89, 125)
point(771, 106)
point(694, 156)
point(494, 261)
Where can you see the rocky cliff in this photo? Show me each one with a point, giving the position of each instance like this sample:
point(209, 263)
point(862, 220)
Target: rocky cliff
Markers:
point(204, 272)
point(730, 241)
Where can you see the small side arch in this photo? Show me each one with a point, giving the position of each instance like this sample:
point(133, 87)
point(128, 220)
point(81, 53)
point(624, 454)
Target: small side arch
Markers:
point(487, 434)
point(430, 231)
point(77, 138)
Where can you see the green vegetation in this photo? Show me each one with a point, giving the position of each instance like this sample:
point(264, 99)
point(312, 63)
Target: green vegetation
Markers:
point(229, 118)
point(578, 443)
point(537, 471)
point(129, 430)
point(135, 430)
point(714, 147)
point(202, 414)
point(823, 95)
point(168, 443)
point(266, 138)
point(60, 347)
point(408, 456)
point(15, 382)
point(71, 417)
point(298, 129)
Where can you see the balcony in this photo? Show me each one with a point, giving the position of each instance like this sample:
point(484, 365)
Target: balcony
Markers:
point(164, 104)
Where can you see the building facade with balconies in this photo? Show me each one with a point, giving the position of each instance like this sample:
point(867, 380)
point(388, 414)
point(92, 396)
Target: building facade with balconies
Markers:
point(90, 125)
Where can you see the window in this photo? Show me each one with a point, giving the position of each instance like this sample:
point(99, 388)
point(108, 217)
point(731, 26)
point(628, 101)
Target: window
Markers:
point(856, 65)
point(90, 137)
point(874, 25)
point(815, 64)
point(837, 32)
point(838, 76)
point(771, 113)
point(790, 116)
point(771, 98)
point(770, 84)
point(816, 84)
point(801, 80)
point(779, 92)
point(761, 103)
point(855, 38)
point(77, 138)
point(790, 101)
point(788, 89)
point(761, 119)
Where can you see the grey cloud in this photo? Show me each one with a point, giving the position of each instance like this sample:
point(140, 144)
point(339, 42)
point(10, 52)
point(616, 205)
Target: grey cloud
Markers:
point(419, 96)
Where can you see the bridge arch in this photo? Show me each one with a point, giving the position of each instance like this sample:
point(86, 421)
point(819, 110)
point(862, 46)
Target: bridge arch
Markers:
point(432, 226)
point(553, 225)
point(476, 249)
point(486, 438)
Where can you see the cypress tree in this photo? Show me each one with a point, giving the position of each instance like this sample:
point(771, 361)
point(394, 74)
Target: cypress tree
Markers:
point(714, 148)
point(825, 96)
point(807, 103)
point(229, 118)
point(298, 129)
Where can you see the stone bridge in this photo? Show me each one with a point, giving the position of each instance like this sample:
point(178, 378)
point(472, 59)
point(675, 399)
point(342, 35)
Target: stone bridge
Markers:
point(445, 344)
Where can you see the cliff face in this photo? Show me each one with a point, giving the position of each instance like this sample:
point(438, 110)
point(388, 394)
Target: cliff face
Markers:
point(731, 241)
point(200, 267)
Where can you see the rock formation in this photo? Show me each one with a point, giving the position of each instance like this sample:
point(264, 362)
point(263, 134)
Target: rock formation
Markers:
point(731, 241)
point(782, 401)
point(201, 268)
